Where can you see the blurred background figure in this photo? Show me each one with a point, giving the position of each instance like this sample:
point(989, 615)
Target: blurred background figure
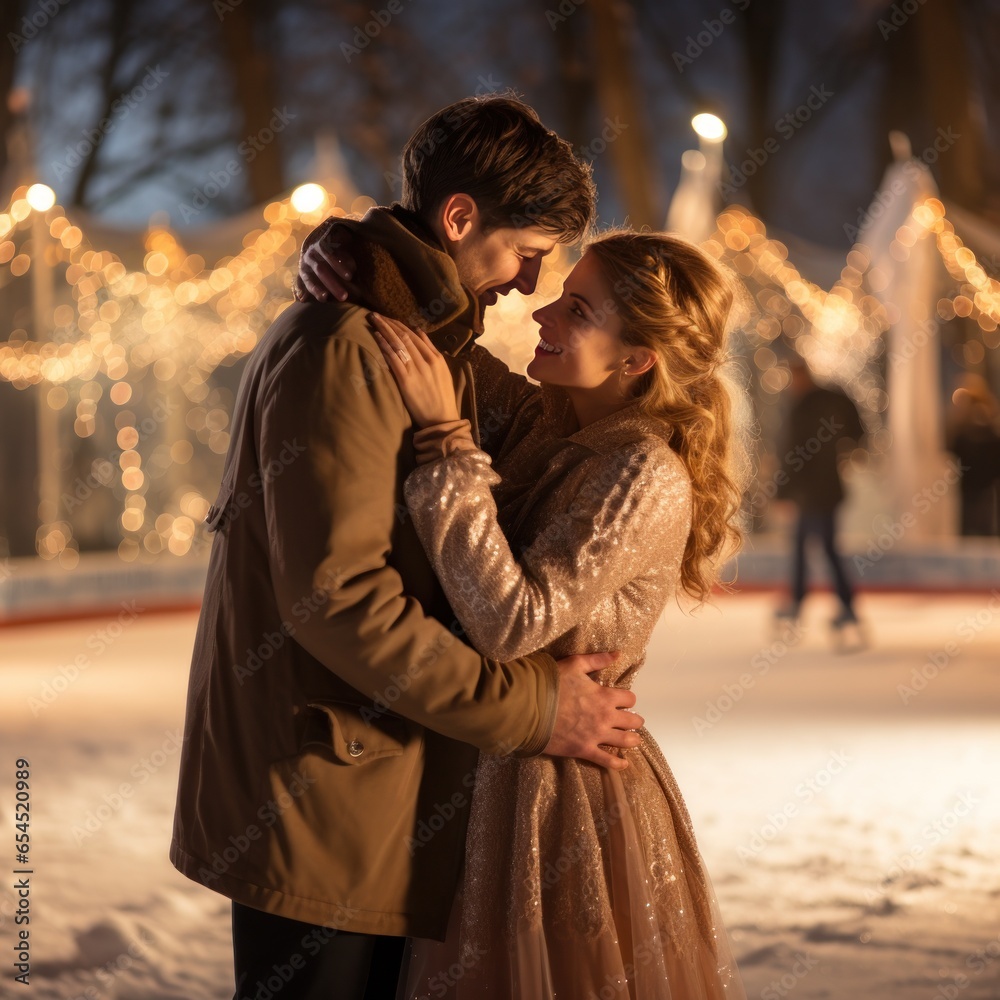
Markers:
point(822, 424)
point(973, 436)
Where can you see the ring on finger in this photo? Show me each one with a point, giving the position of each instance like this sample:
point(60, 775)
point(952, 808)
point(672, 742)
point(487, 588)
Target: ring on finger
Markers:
point(403, 355)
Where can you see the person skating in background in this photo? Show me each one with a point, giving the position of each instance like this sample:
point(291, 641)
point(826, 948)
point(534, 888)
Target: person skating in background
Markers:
point(821, 425)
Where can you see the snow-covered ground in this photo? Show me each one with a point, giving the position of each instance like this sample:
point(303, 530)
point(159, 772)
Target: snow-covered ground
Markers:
point(848, 806)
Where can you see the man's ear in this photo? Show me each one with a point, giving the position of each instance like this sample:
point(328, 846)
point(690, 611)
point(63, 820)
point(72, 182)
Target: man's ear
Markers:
point(459, 217)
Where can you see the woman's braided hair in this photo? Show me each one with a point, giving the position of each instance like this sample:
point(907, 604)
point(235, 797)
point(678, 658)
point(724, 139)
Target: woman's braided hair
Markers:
point(675, 300)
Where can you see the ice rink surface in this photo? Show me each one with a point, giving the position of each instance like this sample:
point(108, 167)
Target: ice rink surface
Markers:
point(847, 805)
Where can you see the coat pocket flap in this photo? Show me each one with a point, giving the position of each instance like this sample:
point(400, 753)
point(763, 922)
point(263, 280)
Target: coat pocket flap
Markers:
point(353, 738)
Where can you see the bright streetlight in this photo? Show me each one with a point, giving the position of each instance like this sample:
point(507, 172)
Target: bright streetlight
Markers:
point(709, 126)
point(41, 197)
point(307, 198)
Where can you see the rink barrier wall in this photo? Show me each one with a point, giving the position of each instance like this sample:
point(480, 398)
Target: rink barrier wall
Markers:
point(34, 590)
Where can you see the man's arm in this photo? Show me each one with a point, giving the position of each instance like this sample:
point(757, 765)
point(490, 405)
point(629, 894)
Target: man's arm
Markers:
point(330, 519)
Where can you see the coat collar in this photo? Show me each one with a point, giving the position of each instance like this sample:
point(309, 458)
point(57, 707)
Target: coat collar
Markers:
point(404, 273)
point(603, 436)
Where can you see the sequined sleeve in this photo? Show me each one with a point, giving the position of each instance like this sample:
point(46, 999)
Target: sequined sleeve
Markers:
point(631, 515)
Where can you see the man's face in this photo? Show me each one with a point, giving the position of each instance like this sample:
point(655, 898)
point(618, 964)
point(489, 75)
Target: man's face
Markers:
point(502, 259)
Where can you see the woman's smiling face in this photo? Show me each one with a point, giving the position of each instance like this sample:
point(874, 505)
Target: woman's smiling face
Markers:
point(580, 342)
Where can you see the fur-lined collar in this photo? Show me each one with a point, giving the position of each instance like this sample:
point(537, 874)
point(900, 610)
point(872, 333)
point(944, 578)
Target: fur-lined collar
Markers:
point(403, 273)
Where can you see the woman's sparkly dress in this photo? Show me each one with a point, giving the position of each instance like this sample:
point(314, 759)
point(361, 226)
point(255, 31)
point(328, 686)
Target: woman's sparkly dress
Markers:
point(579, 882)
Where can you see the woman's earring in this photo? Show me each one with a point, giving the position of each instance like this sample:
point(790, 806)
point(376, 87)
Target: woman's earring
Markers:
point(622, 372)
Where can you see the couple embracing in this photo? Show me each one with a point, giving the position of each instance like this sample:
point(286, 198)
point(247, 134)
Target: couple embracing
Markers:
point(433, 782)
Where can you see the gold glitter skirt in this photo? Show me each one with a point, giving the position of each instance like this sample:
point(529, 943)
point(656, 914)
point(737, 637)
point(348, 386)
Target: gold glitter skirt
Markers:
point(579, 883)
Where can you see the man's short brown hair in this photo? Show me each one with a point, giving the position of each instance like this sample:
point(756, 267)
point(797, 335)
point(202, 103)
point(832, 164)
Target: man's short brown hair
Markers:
point(495, 149)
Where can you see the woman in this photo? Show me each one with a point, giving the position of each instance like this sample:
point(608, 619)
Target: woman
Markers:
point(612, 486)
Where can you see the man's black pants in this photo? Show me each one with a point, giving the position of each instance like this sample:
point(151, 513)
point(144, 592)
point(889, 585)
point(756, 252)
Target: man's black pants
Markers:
point(280, 959)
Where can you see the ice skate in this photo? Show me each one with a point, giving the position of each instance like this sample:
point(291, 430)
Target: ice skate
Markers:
point(785, 620)
point(848, 633)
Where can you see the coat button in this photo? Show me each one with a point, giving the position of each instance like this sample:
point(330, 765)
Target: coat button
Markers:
point(355, 748)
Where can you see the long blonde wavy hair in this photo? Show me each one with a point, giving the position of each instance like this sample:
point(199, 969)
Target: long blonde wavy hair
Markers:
point(676, 301)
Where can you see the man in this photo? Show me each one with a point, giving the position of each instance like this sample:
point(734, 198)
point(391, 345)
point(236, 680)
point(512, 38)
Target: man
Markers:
point(334, 714)
point(821, 425)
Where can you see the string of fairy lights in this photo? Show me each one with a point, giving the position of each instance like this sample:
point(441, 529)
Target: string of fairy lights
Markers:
point(170, 324)
point(157, 334)
point(840, 330)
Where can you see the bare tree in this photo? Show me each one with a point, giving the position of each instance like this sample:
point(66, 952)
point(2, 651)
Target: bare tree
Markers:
point(948, 93)
point(248, 30)
point(618, 91)
point(9, 19)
